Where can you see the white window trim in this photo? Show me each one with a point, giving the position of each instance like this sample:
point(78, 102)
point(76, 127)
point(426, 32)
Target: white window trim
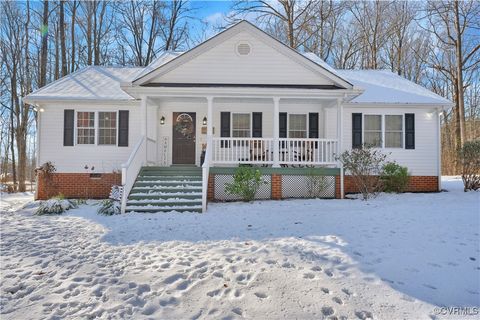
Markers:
point(231, 123)
point(382, 117)
point(307, 130)
point(75, 134)
point(96, 127)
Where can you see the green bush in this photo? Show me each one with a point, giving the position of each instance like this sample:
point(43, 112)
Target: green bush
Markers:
point(395, 177)
point(246, 182)
point(470, 158)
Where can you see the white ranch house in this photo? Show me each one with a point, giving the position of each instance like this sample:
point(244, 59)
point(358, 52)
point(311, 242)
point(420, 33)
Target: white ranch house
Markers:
point(241, 97)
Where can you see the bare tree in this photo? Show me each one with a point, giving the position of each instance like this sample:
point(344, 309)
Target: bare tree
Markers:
point(454, 23)
point(285, 19)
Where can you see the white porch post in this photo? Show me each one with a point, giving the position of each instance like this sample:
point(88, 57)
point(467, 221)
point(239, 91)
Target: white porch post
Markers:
point(209, 129)
point(339, 144)
point(143, 122)
point(276, 129)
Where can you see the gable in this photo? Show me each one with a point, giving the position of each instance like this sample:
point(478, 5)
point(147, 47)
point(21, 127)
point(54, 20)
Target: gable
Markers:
point(218, 61)
point(263, 65)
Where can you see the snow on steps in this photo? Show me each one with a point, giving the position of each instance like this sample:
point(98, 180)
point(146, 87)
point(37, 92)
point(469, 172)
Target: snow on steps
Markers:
point(166, 189)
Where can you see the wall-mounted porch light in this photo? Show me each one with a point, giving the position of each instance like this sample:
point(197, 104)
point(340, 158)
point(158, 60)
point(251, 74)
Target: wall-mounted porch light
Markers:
point(162, 120)
point(204, 121)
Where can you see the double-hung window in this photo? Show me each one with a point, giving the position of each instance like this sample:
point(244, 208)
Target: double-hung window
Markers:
point(107, 128)
point(297, 125)
point(241, 125)
point(383, 131)
point(393, 131)
point(97, 128)
point(85, 127)
point(372, 135)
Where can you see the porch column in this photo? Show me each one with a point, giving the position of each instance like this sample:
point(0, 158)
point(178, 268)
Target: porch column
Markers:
point(339, 143)
point(276, 129)
point(143, 123)
point(209, 129)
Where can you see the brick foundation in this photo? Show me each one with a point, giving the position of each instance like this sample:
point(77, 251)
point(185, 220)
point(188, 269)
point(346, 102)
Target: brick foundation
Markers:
point(76, 185)
point(276, 187)
point(416, 184)
point(211, 188)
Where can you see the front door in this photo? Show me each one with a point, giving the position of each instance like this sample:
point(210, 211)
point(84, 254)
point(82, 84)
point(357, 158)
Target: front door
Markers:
point(183, 144)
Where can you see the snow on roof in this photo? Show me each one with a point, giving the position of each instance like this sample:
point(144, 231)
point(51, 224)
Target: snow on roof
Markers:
point(104, 83)
point(165, 57)
point(313, 57)
point(90, 83)
point(382, 86)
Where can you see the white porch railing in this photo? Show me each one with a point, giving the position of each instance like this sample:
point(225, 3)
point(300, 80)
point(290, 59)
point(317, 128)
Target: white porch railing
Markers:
point(205, 177)
point(260, 151)
point(242, 150)
point(131, 168)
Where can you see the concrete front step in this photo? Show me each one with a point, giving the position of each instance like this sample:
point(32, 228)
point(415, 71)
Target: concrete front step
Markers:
point(169, 178)
point(153, 209)
point(161, 202)
point(159, 189)
point(140, 182)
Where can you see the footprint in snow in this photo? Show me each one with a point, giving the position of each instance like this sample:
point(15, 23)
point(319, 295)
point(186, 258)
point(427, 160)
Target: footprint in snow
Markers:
point(364, 315)
point(261, 295)
point(337, 300)
point(309, 276)
point(347, 292)
point(325, 290)
point(327, 311)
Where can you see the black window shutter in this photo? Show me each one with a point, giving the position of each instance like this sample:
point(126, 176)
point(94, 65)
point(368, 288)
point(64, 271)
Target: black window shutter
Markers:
point(409, 130)
point(68, 127)
point(257, 124)
point(313, 125)
point(123, 128)
point(283, 125)
point(224, 127)
point(356, 130)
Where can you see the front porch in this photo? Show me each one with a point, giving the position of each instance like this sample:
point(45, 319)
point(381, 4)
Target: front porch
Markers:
point(288, 131)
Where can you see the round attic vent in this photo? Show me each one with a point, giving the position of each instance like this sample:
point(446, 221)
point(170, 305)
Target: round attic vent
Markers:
point(243, 49)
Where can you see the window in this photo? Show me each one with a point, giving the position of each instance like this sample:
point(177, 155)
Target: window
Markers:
point(241, 125)
point(85, 127)
point(393, 131)
point(107, 128)
point(297, 125)
point(372, 135)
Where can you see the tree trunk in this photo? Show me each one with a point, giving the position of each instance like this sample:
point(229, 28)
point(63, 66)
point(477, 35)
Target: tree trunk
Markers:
point(63, 49)
point(89, 33)
point(44, 50)
point(459, 73)
point(72, 35)
point(12, 148)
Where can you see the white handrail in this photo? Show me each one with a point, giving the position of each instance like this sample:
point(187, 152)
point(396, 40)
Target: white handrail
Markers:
point(205, 177)
point(131, 168)
point(292, 151)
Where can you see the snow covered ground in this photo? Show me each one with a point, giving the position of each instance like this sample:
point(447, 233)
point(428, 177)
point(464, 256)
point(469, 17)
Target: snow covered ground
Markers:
point(394, 257)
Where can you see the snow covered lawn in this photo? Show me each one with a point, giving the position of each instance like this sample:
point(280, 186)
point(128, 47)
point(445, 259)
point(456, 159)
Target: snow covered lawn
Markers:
point(395, 257)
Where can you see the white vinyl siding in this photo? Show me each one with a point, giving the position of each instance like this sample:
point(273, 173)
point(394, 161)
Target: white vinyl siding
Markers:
point(421, 161)
point(69, 159)
point(222, 64)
